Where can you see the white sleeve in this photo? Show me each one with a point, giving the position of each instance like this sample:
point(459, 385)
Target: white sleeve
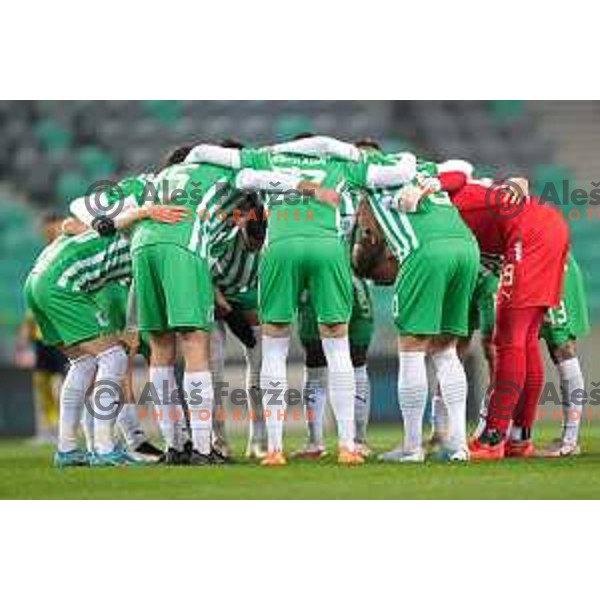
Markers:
point(270, 181)
point(382, 176)
point(80, 211)
point(82, 208)
point(462, 166)
point(215, 155)
point(320, 145)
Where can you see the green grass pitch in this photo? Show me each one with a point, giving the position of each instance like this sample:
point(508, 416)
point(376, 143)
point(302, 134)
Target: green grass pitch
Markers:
point(26, 473)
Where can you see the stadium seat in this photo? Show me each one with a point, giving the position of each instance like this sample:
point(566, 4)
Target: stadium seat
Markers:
point(70, 185)
point(288, 126)
point(95, 163)
point(506, 110)
point(52, 135)
point(552, 175)
point(165, 111)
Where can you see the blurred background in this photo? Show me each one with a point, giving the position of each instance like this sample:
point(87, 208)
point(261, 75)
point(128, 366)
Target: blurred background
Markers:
point(51, 151)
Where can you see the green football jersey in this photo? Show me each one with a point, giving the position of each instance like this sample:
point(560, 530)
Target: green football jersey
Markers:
point(84, 262)
point(126, 194)
point(292, 215)
point(435, 217)
point(206, 190)
point(234, 267)
point(136, 189)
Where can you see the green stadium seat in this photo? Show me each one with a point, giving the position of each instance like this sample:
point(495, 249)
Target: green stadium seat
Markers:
point(288, 126)
point(52, 136)
point(506, 110)
point(71, 185)
point(544, 176)
point(397, 145)
point(95, 163)
point(6, 213)
point(165, 111)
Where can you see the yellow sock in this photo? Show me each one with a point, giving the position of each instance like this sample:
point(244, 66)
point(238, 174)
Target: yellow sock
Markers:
point(45, 401)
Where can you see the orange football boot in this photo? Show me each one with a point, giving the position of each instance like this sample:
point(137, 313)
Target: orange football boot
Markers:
point(481, 450)
point(274, 459)
point(349, 457)
point(523, 449)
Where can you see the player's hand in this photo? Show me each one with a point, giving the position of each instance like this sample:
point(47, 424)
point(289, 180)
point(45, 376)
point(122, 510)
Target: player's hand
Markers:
point(131, 339)
point(222, 306)
point(164, 213)
point(411, 195)
point(517, 190)
point(324, 195)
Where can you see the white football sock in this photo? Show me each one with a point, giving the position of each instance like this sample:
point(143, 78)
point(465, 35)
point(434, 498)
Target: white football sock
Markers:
point(571, 380)
point(164, 384)
point(482, 418)
point(453, 385)
point(75, 386)
point(341, 387)
point(362, 403)
point(130, 426)
point(257, 431)
point(112, 368)
point(199, 393)
point(217, 370)
point(515, 434)
point(314, 397)
point(182, 431)
point(273, 383)
point(87, 424)
point(412, 397)
point(439, 417)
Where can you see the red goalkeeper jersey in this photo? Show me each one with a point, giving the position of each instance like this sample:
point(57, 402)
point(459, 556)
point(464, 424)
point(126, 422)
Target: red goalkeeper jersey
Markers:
point(531, 236)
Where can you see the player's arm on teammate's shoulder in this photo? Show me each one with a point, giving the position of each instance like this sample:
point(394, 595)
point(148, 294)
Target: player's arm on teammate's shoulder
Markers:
point(87, 208)
point(321, 194)
point(401, 172)
point(456, 178)
point(96, 211)
point(215, 155)
point(319, 145)
point(163, 213)
point(453, 175)
point(452, 181)
point(85, 217)
point(276, 181)
point(253, 180)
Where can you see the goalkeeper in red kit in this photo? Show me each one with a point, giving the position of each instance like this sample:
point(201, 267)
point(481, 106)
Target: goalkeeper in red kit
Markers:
point(533, 241)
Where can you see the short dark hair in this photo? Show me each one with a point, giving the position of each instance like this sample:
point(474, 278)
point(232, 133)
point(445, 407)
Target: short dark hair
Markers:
point(368, 143)
point(233, 143)
point(303, 135)
point(251, 201)
point(177, 156)
point(51, 216)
